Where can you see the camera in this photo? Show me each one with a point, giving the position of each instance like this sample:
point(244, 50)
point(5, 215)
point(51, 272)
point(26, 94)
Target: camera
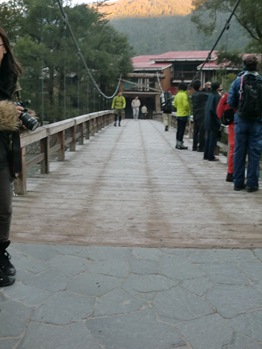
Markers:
point(27, 120)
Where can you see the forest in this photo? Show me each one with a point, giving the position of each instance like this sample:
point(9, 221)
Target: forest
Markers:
point(177, 33)
point(157, 26)
point(72, 58)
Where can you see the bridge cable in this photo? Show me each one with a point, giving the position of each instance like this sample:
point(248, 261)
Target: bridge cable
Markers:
point(226, 27)
point(66, 21)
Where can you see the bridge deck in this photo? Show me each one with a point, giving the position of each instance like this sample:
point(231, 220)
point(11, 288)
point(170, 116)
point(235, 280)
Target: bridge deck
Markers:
point(129, 186)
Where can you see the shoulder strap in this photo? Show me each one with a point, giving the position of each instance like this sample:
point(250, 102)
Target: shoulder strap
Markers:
point(241, 87)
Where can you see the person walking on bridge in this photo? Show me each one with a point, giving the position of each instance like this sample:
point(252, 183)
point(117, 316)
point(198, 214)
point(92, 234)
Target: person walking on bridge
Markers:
point(10, 156)
point(135, 104)
point(119, 104)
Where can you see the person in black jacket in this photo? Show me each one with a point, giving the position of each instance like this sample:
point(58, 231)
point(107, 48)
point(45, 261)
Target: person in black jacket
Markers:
point(199, 99)
point(212, 122)
point(10, 160)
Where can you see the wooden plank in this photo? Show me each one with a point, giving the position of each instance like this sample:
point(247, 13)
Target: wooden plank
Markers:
point(131, 187)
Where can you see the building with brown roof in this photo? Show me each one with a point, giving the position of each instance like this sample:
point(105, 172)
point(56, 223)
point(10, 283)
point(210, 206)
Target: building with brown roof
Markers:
point(153, 74)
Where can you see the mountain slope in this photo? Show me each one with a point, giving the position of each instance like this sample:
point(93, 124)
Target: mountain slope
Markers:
point(146, 8)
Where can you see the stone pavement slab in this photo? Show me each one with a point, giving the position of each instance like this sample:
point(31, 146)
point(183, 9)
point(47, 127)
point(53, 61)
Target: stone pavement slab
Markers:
point(98, 297)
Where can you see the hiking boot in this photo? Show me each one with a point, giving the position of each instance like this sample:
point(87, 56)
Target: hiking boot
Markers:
point(229, 177)
point(166, 128)
point(180, 145)
point(251, 189)
point(115, 124)
point(6, 280)
point(241, 187)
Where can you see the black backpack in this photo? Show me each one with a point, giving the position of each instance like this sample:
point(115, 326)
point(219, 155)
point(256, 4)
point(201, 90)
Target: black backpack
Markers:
point(250, 97)
point(166, 102)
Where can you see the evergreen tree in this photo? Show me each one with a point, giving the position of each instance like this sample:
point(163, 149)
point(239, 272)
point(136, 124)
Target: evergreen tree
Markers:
point(55, 76)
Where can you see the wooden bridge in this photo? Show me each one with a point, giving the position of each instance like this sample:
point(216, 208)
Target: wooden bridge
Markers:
point(129, 186)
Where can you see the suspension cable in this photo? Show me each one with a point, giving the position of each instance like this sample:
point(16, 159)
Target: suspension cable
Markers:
point(226, 27)
point(66, 21)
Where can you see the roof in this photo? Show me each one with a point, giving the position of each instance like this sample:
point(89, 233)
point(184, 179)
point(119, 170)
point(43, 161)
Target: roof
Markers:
point(185, 56)
point(148, 63)
point(164, 61)
point(216, 66)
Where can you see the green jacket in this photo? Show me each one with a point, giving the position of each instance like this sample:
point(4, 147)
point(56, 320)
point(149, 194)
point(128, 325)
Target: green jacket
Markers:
point(182, 104)
point(119, 102)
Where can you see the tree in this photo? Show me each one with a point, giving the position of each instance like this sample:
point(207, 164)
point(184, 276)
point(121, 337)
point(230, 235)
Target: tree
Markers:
point(55, 76)
point(248, 14)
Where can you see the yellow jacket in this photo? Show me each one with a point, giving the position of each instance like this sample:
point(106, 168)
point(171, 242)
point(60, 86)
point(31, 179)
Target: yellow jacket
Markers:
point(119, 102)
point(181, 103)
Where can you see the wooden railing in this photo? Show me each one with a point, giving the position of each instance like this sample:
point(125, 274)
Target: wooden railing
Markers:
point(53, 140)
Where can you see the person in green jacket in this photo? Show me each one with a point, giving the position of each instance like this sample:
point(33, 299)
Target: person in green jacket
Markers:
point(182, 105)
point(119, 104)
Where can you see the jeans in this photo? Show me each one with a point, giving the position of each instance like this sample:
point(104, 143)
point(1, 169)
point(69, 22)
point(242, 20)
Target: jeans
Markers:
point(135, 112)
point(5, 204)
point(181, 126)
point(247, 137)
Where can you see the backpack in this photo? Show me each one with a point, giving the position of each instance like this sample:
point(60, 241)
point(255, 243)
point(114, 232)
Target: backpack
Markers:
point(166, 102)
point(224, 111)
point(250, 97)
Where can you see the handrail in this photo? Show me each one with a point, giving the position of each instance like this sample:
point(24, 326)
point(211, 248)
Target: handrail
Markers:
point(55, 139)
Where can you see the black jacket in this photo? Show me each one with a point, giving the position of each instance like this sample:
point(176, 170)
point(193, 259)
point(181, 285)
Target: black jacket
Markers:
point(199, 100)
point(212, 122)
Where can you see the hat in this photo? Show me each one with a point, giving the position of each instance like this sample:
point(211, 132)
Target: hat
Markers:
point(250, 60)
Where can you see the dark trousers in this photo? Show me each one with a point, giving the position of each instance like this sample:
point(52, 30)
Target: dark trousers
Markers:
point(5, 204)
point(199, 135)
point(119, 118)
point(181, 126)
point(118, 115)
point(210, 145)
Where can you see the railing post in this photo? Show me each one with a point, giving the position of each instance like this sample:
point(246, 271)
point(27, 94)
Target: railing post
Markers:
point(20, 182)
point(73, 136)
point(61, 141)
point(44, 148)
point(81, 138)
point(88, 129)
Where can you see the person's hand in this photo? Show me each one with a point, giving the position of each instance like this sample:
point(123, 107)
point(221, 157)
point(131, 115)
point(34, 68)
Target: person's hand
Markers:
point(20, 110)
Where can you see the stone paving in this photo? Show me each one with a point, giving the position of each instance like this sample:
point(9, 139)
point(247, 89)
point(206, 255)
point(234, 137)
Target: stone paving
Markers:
point(88, 297)
point(89, 278)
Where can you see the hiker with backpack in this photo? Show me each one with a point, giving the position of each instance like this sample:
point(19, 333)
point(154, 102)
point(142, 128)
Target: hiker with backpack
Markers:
point(166, 99)
point(118, 106)
point(246, 96)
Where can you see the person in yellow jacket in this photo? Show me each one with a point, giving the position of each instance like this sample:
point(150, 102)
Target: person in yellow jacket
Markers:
point(119, 104)
point(182, 105)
